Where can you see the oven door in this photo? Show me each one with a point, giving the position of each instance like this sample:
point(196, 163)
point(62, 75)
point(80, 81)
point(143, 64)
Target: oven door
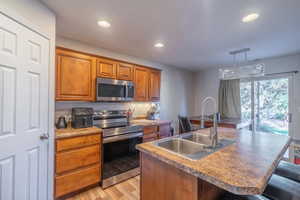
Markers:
point(111, 90)
point(120, 159)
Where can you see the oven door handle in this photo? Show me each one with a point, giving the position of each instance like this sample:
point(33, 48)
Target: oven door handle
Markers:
point(122, 137)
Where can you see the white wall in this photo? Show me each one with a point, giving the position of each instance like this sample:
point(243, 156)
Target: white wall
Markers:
point(177, 95)
point(208, 83)
point(39, 18)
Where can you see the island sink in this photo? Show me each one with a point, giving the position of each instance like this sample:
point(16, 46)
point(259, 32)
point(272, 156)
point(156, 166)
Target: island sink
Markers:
point(188, 167)
point(183, 148)
point(198, 138)
point(193, 146)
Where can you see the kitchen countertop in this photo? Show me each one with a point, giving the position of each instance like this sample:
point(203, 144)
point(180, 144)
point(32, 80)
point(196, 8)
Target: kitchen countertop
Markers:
point(74, 132)
point(147, 122)
point(242, 168)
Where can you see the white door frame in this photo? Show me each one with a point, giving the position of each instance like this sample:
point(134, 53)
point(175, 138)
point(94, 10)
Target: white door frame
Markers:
point(21, 20)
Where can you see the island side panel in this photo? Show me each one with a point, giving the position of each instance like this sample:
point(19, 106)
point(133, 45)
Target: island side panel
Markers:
point(161, 181)
point(207, 191)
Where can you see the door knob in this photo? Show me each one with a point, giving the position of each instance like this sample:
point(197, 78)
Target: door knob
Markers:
point(44, 136)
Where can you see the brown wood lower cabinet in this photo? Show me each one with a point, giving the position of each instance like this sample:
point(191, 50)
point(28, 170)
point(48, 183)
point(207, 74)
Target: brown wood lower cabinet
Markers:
point(209, 124)
point(77, 163)
point(155, 132)
point(77, 180)
point(150, 137)
point(77, 158)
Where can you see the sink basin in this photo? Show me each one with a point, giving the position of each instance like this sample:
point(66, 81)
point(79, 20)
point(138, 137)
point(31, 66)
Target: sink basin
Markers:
point(198, 138)
point(194, 146)
point(183, 147)
point(205, 140)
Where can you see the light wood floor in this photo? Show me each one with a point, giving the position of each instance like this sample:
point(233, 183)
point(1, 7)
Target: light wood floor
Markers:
point(127, 190)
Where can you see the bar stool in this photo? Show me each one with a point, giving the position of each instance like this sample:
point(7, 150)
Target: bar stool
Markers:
point(288, 170)
point(281, 188)
point(184, 124)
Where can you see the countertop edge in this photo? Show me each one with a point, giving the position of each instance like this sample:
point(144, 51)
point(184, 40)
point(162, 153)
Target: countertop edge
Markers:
point(70, 133)
point(276, 162)
point(146, 123)
point(239, 190)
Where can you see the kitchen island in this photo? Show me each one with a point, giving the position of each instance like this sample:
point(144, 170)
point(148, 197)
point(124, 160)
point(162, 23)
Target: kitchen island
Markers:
point(242, 167)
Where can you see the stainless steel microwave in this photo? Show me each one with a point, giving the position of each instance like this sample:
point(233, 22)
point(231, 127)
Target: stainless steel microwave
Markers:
point(114, 90)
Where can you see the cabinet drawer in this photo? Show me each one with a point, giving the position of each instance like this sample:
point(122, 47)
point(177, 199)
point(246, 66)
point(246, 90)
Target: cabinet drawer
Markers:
point(164, 135)
point(150, 137)
point(150, 129)
point(77, 158)
point(76, 180)
point(77, 142)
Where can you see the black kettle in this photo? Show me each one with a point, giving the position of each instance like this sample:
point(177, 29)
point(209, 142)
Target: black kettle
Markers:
point(61, 123)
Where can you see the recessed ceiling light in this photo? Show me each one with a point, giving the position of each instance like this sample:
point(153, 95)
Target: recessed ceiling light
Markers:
point(159, 45)
point(104, 24)
point(251, 17)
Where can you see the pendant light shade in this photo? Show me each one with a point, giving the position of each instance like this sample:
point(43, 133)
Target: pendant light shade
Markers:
point(244, 70)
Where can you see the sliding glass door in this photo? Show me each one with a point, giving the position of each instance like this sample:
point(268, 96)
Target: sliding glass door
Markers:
point(266, 104)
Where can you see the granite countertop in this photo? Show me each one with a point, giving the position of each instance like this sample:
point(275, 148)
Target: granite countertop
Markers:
point(147, 122)
point(74, 132)
point(242, 168)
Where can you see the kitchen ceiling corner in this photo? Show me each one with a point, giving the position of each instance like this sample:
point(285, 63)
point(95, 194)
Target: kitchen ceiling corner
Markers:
point(201, 32)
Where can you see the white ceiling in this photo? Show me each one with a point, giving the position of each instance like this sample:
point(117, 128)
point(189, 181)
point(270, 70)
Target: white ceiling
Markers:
point(196, 33)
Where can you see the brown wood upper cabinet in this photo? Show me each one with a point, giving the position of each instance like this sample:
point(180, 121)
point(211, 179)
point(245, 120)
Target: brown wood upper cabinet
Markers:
point(125, 72)
point(75, 76)
point(106, 68)
point(141, 80)
point(154, 85)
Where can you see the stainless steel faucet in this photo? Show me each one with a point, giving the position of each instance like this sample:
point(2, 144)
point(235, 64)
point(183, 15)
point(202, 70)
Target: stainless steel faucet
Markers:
point(213, 130)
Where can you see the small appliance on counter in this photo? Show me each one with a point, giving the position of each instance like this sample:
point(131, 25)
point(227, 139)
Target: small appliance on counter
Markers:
point(61, 122)
point(153, 112)
point(82, 117)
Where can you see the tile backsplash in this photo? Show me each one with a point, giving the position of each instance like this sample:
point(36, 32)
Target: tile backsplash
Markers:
point(140, 108)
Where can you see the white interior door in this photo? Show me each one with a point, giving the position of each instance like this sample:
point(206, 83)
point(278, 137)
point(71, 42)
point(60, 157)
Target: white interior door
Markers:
point(24, 69)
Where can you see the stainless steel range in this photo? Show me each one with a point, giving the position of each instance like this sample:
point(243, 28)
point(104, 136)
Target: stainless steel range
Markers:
point(120, 158)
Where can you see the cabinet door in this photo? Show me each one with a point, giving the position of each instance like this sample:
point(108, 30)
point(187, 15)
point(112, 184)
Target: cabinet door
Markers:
point(141, 79)
point(154, 85)
point(125, 72)
point(75, 76)
point(150, 137)
point(106, 68)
